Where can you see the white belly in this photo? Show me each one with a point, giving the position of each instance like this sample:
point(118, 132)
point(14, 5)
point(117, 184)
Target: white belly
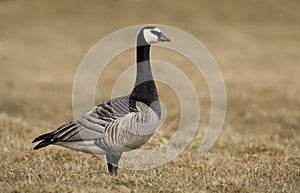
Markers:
point(84, 146)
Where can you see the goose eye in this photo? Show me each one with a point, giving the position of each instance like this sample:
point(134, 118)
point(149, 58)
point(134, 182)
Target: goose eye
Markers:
point(156, 33)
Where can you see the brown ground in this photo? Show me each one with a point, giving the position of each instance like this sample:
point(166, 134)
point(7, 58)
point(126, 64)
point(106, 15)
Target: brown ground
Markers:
point(256, 44)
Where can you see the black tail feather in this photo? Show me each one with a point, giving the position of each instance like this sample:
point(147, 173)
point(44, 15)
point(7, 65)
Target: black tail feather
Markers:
point(55, 136)
point(42, 137)
point(47, 140)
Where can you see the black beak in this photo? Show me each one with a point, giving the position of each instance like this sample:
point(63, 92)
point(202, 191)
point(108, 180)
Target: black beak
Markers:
point(163, 38)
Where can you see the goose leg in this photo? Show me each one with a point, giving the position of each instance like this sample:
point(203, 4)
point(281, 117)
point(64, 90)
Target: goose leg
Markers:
point(112, 162)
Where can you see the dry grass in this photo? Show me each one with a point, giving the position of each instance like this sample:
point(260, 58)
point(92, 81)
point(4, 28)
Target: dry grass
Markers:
point(256, 44)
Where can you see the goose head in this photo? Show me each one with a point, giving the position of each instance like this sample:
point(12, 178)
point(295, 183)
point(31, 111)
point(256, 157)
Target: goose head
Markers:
point(151, 35)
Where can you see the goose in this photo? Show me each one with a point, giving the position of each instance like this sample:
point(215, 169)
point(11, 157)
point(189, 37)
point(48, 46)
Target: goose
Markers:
point(121, 124)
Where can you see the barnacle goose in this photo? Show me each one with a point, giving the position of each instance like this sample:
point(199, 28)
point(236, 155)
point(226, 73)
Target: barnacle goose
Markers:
point(121, 124)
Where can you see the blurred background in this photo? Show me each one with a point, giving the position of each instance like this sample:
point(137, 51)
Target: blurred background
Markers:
point(256, 44)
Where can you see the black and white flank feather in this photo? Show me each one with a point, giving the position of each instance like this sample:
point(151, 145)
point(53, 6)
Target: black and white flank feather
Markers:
point(117, 125)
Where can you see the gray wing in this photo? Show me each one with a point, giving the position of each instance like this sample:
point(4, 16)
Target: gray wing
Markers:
point(92, 126)
point(131, 131)
point(95, 123)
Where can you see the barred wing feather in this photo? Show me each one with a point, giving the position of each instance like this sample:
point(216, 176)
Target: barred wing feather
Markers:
point(117, 125)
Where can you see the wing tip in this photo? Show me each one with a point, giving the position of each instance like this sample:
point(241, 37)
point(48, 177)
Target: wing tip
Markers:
point(47, 140)
point(42, 144)
point(43, 137)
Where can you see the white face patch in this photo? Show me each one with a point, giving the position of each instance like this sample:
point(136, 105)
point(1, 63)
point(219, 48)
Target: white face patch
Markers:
point(150, 37)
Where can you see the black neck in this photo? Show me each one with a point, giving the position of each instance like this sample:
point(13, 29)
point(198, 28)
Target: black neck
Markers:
point(144, 89)
point(144, 72)
point(142, 53)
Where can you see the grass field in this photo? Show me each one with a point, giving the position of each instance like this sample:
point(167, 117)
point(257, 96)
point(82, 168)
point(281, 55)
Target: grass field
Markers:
point(256, 44)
